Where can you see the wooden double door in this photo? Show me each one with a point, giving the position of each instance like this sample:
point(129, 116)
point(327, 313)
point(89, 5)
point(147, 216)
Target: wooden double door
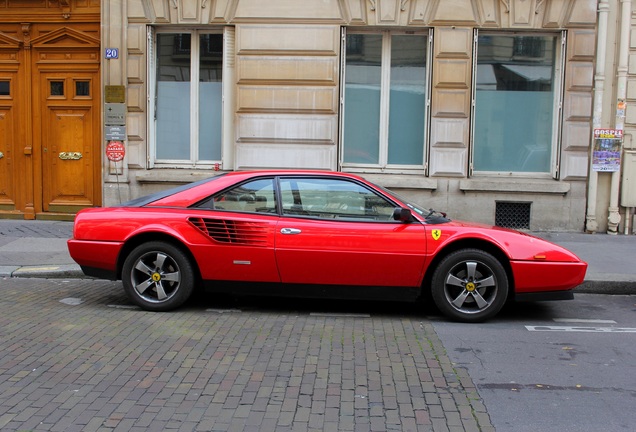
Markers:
point(50, 122)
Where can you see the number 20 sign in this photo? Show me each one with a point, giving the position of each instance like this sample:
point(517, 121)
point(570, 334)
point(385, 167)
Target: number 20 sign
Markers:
point(112, 53)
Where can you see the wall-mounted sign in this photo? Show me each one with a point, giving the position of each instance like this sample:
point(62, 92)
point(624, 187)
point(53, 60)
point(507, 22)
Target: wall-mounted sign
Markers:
point(112, 53)
point(115, 133)
point(114, 94)
point(115, 114)
point(115, 151)
point(606, 156)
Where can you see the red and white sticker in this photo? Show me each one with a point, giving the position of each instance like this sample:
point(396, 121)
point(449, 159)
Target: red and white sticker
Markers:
point(115, 151)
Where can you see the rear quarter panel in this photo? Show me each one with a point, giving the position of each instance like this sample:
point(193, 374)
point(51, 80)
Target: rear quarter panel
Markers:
point(215, 260)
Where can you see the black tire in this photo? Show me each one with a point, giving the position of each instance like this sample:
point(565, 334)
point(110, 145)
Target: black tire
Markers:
point(470, 285)
point(158, 276)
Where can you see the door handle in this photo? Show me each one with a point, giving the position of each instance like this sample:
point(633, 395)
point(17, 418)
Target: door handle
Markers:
point(290, 231)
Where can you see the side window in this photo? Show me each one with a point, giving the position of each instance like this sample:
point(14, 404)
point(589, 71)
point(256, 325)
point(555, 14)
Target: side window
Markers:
point(256, 196)
point(333, 199)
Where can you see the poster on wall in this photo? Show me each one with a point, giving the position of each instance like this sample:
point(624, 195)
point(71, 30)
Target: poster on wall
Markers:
point(606, 156)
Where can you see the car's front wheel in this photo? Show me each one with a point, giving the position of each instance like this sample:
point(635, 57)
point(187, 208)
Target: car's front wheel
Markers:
point(158, 276)
point(470, 285)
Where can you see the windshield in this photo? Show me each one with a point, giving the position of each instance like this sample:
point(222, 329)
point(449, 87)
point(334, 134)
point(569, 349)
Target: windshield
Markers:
point(416, 208)
point(425, 213)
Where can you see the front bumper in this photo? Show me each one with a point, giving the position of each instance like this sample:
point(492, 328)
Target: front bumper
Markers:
point(545, 277)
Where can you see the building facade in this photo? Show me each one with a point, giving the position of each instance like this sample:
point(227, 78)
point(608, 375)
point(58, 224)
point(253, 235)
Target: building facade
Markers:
point(485, 109)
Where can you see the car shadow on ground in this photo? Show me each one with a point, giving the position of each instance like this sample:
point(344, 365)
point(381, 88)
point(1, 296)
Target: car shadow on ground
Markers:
point(422, 309)
point(302, 305)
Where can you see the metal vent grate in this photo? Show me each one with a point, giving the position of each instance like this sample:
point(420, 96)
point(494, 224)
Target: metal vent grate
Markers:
point(514, 215)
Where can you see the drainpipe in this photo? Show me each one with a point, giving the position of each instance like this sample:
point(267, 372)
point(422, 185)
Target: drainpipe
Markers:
point(591, 225)
point(614, 217)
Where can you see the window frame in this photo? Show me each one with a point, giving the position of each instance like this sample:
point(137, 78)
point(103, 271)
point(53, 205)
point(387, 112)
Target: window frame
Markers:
point(247, 197)
point(383, 166)
point(557, 111)
point(193, 161)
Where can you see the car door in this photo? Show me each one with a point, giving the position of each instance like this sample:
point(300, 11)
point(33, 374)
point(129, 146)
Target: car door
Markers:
point(241, 232)
point(339, 232)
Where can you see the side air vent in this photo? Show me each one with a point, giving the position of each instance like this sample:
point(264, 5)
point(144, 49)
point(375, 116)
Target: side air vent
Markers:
point(235, 232)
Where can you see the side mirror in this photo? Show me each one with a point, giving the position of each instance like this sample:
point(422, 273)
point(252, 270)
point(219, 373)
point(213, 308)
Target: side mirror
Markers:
point(402, 214)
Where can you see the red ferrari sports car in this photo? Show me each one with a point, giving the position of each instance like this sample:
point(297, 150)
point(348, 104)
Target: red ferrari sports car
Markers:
point(311, 233)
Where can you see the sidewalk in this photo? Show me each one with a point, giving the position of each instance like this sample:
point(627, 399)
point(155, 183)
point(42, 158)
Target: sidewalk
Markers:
point(38, 249)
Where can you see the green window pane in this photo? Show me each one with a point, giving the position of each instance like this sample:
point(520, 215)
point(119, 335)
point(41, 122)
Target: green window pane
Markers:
point(407, 100)
point(210, 96)
point(173, 96)
point(514, 104)
point(362, 98)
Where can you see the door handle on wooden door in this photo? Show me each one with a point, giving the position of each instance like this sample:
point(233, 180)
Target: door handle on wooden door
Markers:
point(70, 155)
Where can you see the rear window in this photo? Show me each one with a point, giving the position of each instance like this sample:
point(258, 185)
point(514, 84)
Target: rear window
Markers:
point(147, 199)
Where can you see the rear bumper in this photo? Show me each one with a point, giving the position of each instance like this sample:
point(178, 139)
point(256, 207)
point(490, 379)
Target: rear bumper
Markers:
point(96, 258)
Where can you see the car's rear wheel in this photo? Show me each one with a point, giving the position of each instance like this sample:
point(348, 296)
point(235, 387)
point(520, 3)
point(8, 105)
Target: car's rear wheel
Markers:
point(470, 285)
point(158, 276)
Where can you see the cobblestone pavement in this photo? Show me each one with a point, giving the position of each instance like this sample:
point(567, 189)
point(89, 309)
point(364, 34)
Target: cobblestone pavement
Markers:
point(76, 356)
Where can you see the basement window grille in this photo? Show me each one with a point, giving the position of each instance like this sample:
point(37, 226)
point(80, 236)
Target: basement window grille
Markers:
point(515, 215)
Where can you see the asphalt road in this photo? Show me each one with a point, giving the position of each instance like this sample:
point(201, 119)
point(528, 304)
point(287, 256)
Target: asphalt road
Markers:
point(554, 366)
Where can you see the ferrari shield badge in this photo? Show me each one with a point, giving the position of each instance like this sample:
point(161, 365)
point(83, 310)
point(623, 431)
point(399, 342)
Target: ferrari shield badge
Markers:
point(436, 233)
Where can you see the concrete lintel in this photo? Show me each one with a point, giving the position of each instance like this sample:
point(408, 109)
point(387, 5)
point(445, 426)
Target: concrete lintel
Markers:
point(402, 181)
point(179, 176)
point(516, 185)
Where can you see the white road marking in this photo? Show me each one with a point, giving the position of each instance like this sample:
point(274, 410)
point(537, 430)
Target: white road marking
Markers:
point(589, 321)
point(581, 329)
